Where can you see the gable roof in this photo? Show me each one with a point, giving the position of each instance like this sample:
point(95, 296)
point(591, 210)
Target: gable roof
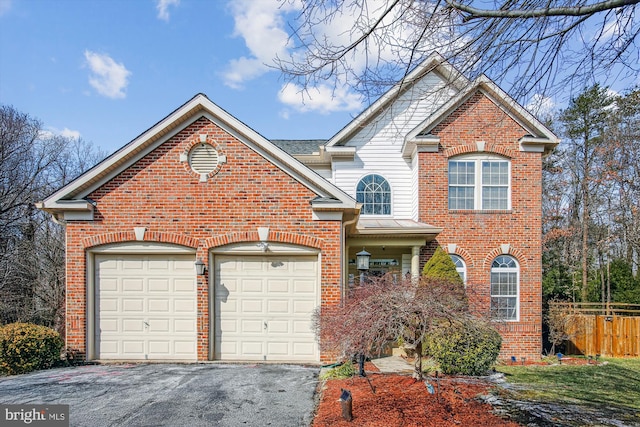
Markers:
point(540, 138)
point(72, 197)
point(434, 62)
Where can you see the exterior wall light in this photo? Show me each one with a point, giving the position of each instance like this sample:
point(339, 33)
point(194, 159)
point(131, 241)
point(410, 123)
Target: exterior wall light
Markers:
point(201, 268)
point(362, 260)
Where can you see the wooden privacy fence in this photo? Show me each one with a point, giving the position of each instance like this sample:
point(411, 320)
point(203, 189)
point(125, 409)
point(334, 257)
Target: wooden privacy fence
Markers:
point(611, 330)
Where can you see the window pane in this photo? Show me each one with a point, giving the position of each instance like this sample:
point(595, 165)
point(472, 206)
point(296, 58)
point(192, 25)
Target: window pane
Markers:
point(460, 197)
point(495, 173)
point(461, 173)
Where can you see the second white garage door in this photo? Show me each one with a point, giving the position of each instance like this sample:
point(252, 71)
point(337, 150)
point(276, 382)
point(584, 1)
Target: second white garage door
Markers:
point(263, 308)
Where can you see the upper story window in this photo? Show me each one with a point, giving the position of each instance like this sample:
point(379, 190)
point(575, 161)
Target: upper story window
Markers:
point(374, 192)
point(479, 182)
point(504, 288)
point(461, 268)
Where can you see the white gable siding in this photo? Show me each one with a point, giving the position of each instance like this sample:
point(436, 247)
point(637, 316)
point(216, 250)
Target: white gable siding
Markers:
point(379, 145)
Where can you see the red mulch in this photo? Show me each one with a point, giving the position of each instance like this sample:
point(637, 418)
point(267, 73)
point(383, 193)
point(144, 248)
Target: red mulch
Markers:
point(402, 401)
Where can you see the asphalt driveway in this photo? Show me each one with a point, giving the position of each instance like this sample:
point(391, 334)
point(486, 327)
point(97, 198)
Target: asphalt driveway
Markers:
point(172, 394)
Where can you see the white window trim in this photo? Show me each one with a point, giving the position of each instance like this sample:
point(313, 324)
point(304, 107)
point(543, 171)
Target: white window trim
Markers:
point(477, 190)
point(515, 269)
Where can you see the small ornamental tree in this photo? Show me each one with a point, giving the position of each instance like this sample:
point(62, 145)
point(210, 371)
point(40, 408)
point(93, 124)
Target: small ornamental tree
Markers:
point(384, 310)
point(441, 266)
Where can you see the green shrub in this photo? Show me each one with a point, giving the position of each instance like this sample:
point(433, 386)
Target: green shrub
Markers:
point(467, 347)
point(346, 370)
point(25, 347)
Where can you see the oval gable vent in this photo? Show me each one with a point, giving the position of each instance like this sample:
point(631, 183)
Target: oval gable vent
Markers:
point(203, 158)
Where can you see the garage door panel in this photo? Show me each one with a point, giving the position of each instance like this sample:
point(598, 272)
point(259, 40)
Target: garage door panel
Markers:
point(279, 326)
point(278, 286)
point(252, 306)
point(276, 348)
point(140, 315)
point(228, 327)
point(132, 285)
point(158, 305)
point(278, 307)
point(156, 325)
point(184, 305)
point(251, 285)
point(253, 291)
point(159, 285)
point(132, 264)
point(252, 349)
point(251, 326)
point(159, 264)
point(129, 325)
point(304, 287)
point(133, 346)
point(184, 285)
point(184, 348)
point(303, 307)
point(157, 348)
point(134, 305)
point(108, 304)
point(109, 285)
point(110, 325)
point(184, 325)
point(302, 327)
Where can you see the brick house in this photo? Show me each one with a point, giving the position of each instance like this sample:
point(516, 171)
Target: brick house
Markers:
point(438, 160)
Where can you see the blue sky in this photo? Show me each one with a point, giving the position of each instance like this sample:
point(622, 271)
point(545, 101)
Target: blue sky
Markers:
point(107, 70)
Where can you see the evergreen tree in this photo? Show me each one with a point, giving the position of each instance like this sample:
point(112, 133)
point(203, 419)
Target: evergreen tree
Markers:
point(440, 266)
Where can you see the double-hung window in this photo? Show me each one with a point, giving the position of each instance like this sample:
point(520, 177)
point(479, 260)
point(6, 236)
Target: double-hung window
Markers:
point(479, 183)
point(504, 288)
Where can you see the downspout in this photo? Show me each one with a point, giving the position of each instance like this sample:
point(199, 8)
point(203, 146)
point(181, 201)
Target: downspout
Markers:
point(343, 243)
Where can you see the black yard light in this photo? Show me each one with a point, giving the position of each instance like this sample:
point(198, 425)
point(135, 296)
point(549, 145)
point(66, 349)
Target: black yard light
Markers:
point(362, 263)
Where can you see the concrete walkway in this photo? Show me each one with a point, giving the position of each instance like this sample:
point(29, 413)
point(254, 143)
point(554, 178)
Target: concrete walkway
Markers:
point(393, 365)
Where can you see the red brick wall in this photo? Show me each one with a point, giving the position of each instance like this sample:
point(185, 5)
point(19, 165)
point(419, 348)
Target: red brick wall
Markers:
point(165, 196)
point(479, 234)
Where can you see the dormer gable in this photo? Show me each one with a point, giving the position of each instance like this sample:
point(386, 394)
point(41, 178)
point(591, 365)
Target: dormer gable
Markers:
point(538, 137)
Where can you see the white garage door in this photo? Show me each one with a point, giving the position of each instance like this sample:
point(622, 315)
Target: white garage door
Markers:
point(263, 307)
point(146, 307)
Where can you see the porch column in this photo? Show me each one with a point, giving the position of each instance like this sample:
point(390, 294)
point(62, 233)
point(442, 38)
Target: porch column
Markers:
point(415, 262)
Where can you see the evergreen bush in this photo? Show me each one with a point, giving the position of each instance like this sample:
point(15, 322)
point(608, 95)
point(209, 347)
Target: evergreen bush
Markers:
point(25, 347)
point(466, 347)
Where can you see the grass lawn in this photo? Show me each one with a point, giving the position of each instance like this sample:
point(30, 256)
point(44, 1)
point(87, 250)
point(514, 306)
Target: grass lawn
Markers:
point(613, 384)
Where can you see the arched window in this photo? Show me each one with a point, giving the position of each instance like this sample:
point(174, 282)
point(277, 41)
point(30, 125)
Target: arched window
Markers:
point(461, 268)
point(504, 288)
point(374, 193)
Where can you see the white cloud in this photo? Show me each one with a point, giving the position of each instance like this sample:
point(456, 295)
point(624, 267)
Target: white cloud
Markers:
point(261, 24)
point(66, 133)
point(5, 6)
point(108, 77)
point(541, 106)
point(323, 99)
point(163, 8)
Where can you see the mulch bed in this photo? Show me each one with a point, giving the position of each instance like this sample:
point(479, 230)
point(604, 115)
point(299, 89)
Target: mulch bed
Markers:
point(400, 400)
